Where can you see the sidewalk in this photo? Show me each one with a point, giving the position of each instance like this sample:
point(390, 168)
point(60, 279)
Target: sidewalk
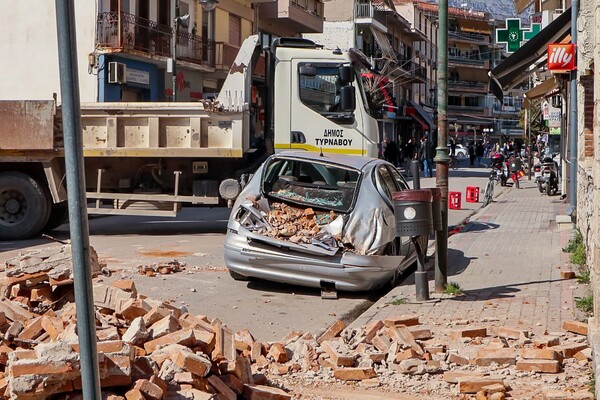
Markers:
point(507, 260)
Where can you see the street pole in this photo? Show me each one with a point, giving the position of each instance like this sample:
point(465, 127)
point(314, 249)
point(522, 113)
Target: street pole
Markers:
point(175, 28)
point(78, 221)
point(573, 117)
point(441, 158)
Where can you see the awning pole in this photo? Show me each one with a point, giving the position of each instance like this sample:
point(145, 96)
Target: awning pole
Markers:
point(573, 117)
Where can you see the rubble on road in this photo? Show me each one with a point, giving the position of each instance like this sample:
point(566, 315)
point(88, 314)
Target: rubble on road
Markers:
point(153, 350)
point(163, 268)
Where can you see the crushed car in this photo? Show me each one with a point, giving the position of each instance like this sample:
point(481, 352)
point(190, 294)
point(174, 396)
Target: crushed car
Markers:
point(323, 221)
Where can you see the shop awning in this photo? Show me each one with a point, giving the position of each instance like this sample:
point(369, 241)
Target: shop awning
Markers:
point(416, 117)
point(547, 88)
point(415, 109)
point(518, 66)
point(474, 25)
point(383, 43)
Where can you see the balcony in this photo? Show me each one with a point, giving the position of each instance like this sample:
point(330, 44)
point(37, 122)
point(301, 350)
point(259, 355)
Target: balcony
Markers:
point(466, 109)
point(297, 16)
point(468, 36)
point(121, 32)
point(225, 56)
point(469, 61)
point(468, 86)
point(367, 13)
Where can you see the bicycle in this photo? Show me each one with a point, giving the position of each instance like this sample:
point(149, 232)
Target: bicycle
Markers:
point(488, 193)
point(453, 162)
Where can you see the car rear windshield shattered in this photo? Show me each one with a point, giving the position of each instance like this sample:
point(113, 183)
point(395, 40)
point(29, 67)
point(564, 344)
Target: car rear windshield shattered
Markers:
point(311, 184)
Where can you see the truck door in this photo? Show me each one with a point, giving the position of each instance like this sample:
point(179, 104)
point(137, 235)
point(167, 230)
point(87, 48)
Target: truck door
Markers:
point(317, 121)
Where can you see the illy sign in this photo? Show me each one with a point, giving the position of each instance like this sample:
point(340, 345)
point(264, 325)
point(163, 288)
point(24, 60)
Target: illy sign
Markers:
point(561, 57)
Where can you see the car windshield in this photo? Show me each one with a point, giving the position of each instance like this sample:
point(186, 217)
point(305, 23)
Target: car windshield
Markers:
point(310, 183)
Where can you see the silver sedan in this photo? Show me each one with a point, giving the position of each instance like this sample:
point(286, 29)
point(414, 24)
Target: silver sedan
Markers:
point(319, 221)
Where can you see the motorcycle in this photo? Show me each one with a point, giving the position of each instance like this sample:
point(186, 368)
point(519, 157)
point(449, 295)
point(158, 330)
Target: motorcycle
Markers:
point(516, 168)
point(500, 166)
point(546, 176)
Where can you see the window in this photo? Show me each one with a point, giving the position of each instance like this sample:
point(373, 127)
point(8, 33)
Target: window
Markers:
point(321, 92)
point(312, 184)
point(235, 30)
point(386, 182)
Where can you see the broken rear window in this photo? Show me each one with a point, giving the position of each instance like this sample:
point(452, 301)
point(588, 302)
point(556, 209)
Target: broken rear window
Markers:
point(312, 184)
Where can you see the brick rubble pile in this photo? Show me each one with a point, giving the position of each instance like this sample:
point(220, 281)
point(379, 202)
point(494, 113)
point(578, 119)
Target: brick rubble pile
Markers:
point(152, 350)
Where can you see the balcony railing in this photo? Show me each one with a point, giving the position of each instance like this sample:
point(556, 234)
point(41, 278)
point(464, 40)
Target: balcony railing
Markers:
point(466, 60)
point(412, 67)
point(312, 7)
point(466, 108)
point(127, 32)
point(467, 35)
point(468, 85)
point(368, 10)
point(225, 56)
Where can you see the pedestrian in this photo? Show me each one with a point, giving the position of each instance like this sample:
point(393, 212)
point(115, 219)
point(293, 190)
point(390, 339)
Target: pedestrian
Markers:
point(426, 156)
point(452, 147)
point(392, 152)
point(471, 154)
point(408, 151)
point(479, 150)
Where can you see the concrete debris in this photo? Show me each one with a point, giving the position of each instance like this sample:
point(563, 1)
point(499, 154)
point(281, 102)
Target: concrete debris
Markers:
point(148, 349)
point(161, 268)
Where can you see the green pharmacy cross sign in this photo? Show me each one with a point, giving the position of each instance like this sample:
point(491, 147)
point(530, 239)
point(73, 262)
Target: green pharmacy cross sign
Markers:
point(514, 36)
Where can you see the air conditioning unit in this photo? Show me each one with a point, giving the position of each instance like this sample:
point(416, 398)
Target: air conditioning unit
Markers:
point(116, 73)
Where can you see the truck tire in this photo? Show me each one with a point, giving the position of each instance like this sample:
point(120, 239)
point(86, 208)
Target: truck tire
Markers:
point(24, 206)
point(58, 216)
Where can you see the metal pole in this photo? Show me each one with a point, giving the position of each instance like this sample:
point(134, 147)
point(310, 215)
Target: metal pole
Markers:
point(442, 159)
point(175, 28)
point(421, 280)
point(414, 170)
point(78, 222)
point(573, 117)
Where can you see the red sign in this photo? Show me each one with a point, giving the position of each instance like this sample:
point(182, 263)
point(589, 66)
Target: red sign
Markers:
point(561, 57)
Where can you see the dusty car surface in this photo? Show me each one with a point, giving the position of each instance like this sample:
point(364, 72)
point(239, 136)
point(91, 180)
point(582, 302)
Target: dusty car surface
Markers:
point(319, 221)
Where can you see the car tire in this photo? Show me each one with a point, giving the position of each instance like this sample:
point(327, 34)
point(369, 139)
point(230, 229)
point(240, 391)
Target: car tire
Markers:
point(238, 277)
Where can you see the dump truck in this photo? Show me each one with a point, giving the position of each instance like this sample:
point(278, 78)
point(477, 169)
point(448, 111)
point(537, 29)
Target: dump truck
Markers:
point(152, 158)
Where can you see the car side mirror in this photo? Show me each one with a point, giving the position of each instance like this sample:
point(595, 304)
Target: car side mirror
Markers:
point(348, 100)
point(346, 74)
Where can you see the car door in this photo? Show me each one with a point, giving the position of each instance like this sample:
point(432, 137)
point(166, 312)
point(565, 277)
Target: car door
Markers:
point(390, 181)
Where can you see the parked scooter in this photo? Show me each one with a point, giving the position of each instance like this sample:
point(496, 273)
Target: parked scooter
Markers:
point(500, 165)
point(546, 175)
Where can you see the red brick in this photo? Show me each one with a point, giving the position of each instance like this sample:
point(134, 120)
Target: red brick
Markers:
point(39, 368)
point(547, 366)
point(506, 332)
point(486, 357)
point(580, 328)
point(584, 355)
point(278, 353)
point(406, 354)
point(382, 342)
point(134, 394)
point(234, 383)
point(542, 354)
point(260, 392)
point(420, 333)
point(455, 376)
point(546, 341)
point(568, 350)
point(32, 330)
point(151, 391)
point(406, 320)
point(457, 359)
point(372, 329)
point(474, 385)
point(469, 332)
point(336, 358)
point(192, 362)
point(354, 374)
point(225, 393)
point(567, 275)
point(243, 370)
point(53, 326)
point(335, 329)
point(125, 284)
point(184, 337)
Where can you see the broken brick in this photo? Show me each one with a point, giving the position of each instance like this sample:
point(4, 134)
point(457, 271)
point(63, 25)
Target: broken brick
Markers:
point(334, 330)
point(580, 328)
point(547, 366)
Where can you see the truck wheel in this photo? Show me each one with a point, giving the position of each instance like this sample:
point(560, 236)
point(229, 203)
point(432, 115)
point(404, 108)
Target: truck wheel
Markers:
point(58, 216)
point(24, 206)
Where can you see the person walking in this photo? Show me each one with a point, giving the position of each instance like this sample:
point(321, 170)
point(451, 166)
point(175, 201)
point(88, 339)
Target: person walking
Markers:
point(391, 152)
point(471, 154)
point(479, 151)
point(408, 151)
point(426, 156)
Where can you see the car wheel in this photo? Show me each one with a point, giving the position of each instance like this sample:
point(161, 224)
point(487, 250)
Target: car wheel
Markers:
point(460, 154)
point(238, 277)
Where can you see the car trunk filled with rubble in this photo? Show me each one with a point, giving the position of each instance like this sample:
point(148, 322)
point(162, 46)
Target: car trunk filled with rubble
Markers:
point(315, 221)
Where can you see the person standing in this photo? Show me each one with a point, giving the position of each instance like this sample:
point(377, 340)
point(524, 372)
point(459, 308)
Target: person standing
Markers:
point(471, 154)
point(479, 151)
point(426, 156)
point(452, 147)
point(391, 152)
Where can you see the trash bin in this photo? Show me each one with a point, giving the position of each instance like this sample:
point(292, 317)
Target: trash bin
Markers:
point(436, 208)
point(413, 212)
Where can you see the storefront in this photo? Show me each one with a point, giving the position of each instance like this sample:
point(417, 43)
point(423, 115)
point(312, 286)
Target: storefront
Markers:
point(136, 81)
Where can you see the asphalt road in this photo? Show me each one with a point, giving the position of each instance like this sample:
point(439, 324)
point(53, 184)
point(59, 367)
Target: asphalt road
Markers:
point(269, 310)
